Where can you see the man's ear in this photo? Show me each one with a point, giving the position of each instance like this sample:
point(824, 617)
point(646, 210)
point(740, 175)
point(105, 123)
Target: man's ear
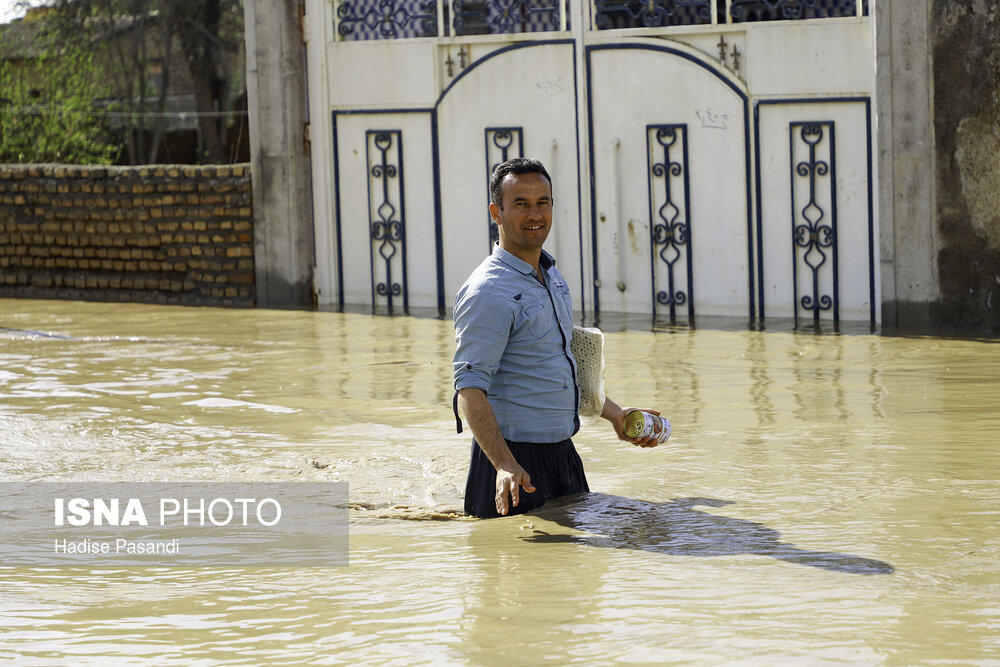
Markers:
point(495, 213)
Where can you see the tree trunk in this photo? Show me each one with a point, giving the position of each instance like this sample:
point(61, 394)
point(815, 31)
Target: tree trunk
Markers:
point(202, 45)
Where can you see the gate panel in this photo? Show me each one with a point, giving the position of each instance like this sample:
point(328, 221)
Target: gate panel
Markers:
point(669, 149)
point(816, 230)
point(497, 109)
point(385, 221)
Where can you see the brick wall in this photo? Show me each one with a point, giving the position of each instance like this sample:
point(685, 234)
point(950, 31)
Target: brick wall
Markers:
point(154, 234)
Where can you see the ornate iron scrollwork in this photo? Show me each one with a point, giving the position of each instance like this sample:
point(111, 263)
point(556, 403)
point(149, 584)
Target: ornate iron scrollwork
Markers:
point(501, 144)
point(386, 19)
point(479, 17)
point(385, 186)
point(669, 213)
point(814, 235)
point(650, 13)
point(776, 10)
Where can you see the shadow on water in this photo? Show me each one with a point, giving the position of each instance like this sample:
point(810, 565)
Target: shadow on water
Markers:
point(676, 528)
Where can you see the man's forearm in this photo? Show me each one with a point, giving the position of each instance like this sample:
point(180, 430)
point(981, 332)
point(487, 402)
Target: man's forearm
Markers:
point(612, 411)
point(473, 404)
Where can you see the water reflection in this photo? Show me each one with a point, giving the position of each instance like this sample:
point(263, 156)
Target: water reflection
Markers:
point(543, 596)
point(676, 528)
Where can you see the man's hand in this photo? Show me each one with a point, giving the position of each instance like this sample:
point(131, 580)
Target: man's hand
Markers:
point(510, 477)
point(651, 441)
point(616, 415)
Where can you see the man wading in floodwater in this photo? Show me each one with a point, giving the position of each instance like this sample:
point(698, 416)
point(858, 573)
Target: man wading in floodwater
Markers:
point(515, 376)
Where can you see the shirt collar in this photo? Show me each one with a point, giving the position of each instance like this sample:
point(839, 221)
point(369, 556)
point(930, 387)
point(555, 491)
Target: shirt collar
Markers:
point(545, 262)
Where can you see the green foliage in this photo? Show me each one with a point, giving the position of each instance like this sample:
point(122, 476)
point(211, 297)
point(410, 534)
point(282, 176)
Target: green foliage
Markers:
point(49, 111)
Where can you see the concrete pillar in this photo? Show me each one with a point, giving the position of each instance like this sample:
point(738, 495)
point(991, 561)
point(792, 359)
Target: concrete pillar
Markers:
point(282, 193)
point(909, 241)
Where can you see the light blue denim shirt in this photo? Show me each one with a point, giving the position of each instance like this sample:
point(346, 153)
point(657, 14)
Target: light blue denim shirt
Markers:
point(513, 339)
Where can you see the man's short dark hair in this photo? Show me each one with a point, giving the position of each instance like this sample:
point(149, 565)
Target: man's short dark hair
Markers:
point(518, 165)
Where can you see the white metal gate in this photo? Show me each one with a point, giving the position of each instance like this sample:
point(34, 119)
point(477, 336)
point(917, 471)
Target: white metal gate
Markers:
point(709, 157)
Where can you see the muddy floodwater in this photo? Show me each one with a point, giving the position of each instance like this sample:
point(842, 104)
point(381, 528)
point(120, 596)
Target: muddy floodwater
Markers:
point(824, 498)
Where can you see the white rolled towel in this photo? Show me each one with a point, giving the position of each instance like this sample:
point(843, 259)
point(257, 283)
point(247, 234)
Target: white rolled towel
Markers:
point(587, 346)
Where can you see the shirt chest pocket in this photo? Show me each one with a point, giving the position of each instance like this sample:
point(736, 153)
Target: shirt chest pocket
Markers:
point(535, 319)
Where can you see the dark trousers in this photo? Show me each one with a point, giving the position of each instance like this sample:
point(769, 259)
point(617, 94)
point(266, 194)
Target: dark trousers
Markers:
point(555, 470)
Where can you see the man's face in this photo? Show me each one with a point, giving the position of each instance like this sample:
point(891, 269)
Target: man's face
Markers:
point(526, 216)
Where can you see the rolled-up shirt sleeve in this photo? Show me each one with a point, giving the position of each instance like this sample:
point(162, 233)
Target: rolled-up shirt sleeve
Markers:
point(482, 327)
